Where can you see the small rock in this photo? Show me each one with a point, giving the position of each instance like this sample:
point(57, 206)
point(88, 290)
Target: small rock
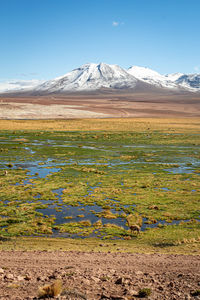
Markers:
point(171, 284)
point(95, 279)
point(20, 278)
point(86, 281)
point(53, 276)
point(104, 296)
point(129, 292)
point(120, 280)
point(117, 297)
point(1, 271)
point(160, 288)
point(41, 278)
point(112, 271)
point(27, 277)
point(139, 273)
point(9, 276)
point(133, 292)
point(128, 277)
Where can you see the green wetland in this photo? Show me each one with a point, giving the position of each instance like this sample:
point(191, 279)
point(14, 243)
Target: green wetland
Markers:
point(97, 184)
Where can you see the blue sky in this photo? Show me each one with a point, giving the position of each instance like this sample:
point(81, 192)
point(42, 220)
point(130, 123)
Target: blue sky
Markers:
point(47, 38)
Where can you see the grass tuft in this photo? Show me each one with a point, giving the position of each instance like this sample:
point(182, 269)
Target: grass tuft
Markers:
point(195, 293)
point(50, 290)
point(145, 292)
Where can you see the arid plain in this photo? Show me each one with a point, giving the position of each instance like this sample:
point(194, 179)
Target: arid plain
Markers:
point(102, 105)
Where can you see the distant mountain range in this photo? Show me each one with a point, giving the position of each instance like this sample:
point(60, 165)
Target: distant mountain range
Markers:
point(18, 85)
point(92, 77)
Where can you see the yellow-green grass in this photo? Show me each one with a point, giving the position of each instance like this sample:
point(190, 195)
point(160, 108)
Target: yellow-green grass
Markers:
point(111, 124)
point(153, 241)
point(141, 193)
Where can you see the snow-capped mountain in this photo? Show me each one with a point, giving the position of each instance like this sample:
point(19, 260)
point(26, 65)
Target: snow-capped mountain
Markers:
point(90, 77)
point(174, 76)
point(190, 82)
point(152, 77)
point(177, 81)
point(18, 85)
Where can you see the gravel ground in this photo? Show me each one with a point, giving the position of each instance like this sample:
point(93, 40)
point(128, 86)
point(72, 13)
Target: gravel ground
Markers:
point(99, 275)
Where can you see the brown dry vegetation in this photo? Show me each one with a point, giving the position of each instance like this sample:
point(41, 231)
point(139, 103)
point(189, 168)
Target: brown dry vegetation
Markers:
point(117, 124)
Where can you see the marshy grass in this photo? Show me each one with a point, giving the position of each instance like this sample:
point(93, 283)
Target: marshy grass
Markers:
point(112, 169)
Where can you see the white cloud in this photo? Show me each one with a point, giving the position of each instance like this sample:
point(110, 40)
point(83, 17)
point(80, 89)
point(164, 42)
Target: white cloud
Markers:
point(197, 68)
point(115, 23)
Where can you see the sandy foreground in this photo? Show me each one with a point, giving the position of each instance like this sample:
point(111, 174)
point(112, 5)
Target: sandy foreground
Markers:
point(99, 275)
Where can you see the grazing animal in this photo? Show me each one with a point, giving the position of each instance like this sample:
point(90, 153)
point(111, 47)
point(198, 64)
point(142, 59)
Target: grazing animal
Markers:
point(134, 223)
point(135, 228)
point(6, 172)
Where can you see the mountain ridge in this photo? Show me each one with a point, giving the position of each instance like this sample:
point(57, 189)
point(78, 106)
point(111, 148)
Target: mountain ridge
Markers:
point(94, 77)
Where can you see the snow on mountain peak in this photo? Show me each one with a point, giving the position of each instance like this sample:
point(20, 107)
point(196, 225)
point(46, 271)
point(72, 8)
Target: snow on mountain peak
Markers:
point(152, 77)
point(91, 77)
point(143, 72)
point(174, 76)
point(190, 82)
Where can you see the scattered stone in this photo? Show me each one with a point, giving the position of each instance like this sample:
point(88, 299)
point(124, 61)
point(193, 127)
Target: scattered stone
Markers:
point(53, 276)
point(119, 281)
point(86, 281)
point(41, 278)
point(20, 278)
point(133, 292)
point(27, 277)
point(139, 273)
point(9, 276)
point(117, 298)
point(104, 296)
point(95, 279)
point(100, 276)
point(171, 284)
